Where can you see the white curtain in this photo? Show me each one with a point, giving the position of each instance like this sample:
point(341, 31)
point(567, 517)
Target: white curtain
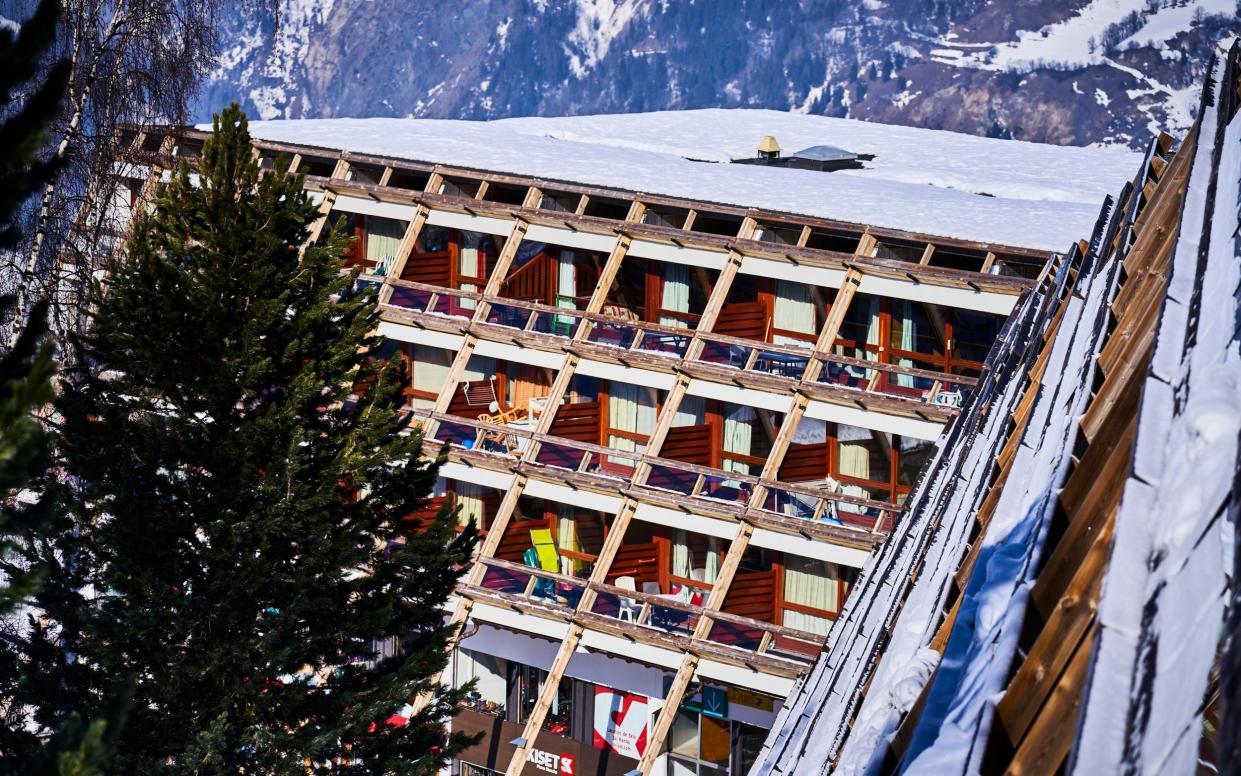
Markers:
point(431, 367)
point(682, 561)
point(488, 670)
point(566, 538)
point(469, 264)
point(630, 409)
point(794, 311)
point(566, 528)
point(872, 332)
point(813, 583)
point(712, 569)
point(738, 435)
point(854, 457)
point(810, 431)
point(906, 343)
point(691, 412)
point(470, 502)
point(566, 280)
point(675, 294)
point(383, 238)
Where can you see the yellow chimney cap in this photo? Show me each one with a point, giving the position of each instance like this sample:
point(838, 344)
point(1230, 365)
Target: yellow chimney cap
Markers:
point(768, 145)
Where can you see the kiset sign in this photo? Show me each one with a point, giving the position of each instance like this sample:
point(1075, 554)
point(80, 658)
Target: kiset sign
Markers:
point(559, 764)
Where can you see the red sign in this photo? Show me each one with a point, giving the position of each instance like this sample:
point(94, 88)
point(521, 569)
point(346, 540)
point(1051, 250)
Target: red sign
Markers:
point(621, 722)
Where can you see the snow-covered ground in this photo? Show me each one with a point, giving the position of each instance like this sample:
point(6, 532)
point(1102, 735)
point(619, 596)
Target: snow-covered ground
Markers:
point(933, 182)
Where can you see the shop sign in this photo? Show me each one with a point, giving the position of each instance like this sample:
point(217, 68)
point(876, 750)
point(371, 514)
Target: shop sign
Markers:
point(711, 701)
point(754, 700)
point(560, 764)
point(621, 721)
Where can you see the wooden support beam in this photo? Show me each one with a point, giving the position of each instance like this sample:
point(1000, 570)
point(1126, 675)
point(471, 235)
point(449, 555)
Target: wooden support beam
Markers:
point(867, 245)
point(667, 713)
point(340, 172)
point(534, 722)
point(1047, 744)
point(607, 276)
point(835, 319)
point(499, 273)
point(926, 254)
point(724, 580)
point(404, 250)
point(804, 237)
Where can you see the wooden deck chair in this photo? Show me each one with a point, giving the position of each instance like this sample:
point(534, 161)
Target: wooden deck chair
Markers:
point(545, 548)
point(480, 393)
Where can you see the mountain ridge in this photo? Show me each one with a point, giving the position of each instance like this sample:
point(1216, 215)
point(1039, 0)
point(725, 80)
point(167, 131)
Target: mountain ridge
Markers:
point(1092, 71)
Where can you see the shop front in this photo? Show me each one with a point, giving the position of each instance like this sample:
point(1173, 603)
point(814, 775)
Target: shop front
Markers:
point(551, 753)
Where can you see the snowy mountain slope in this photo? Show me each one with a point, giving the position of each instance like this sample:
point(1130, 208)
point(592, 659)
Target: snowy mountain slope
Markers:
point(1061, 71)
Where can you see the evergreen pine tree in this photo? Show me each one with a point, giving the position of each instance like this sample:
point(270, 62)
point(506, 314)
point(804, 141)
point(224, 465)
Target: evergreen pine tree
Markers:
point(33, 88)
point(26, 364)
point(237, 517)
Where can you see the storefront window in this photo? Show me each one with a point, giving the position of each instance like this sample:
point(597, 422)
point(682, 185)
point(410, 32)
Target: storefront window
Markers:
point(529, 684)
point(702, 745)
point(488, 673)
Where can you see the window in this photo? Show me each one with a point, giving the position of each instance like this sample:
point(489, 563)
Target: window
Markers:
point(381, 243)
point(701, 745)
point(527, 684)
point(631, 412)
point(812, 595)
point(746, 438)
point(429, 367)
point(579, 538)
point(666, 293)
point(488, 672)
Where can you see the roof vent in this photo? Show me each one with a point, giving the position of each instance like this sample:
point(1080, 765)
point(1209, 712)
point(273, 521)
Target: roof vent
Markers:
point(818, 157)
point(768, 148)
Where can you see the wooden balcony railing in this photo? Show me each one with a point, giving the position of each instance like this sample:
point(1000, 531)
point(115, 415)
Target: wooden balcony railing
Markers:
point(786, 363)
point(638, 613)
point(705, 483)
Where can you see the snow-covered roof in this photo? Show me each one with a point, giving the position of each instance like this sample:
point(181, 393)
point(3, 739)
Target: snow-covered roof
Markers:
point(946, 184)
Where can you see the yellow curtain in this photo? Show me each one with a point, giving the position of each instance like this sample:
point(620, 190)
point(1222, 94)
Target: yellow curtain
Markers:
point(813, 583)
point(470, 502)
point(525, 383)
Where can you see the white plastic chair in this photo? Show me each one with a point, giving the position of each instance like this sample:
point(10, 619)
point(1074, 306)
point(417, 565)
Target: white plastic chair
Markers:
point(628, 606)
